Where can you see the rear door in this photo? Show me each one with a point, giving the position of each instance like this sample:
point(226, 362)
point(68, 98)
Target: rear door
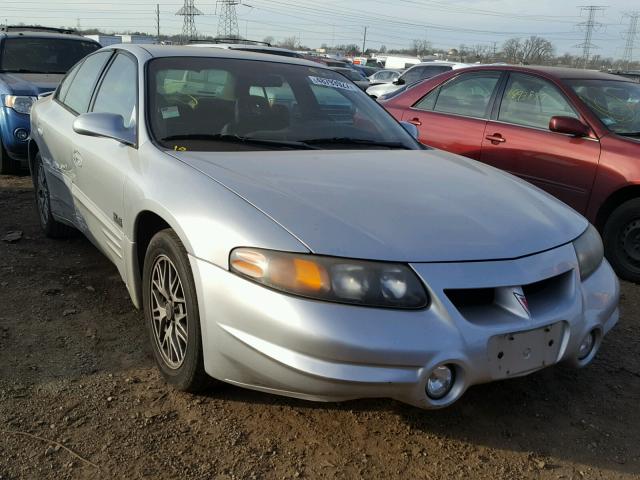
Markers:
point(55, 128)
point(453, 116)
point(102, 163)
point(519, 141)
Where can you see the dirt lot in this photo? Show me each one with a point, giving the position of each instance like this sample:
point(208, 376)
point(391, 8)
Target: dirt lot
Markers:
point(76, 373)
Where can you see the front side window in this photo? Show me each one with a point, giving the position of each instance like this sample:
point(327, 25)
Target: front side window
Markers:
point(615, 103)
point(468, 95)
point(216, 104)
point(117, 92)
point(43, 55)
point(79, 92)
point(531, 101)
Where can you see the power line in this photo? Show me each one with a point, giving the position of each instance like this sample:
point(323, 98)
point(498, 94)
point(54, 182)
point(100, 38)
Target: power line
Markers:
point(589, 27)
point(189, 12)
point(228, 21)
point(630, 36)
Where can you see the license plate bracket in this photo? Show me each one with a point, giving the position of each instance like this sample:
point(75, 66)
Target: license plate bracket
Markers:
point(514, 354)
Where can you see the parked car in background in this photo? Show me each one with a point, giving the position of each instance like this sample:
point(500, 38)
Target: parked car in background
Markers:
point(385, 76)
point(33, 60)
point(283, 233)
point(573, 133)
point(247, 46)
point(394, 61)
point(355, 77)
point(366, 72)
point(413, 75)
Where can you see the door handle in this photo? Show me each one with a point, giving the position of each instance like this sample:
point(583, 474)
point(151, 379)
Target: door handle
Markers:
point(496, 138)
point(415, 121)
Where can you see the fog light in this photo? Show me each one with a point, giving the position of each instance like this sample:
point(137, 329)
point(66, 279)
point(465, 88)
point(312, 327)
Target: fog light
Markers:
point(586, 347)
point(21, 134)
point(440, 382)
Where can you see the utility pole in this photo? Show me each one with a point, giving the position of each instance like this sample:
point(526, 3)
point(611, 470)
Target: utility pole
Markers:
point(630, 36)
point(495, 51)
point(158, 23)
point(364, 41)
point(189, 12)
point(589, 27)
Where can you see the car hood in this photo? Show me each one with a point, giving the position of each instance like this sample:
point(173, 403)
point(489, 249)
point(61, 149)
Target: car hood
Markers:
point(397, 205)
point(32, 84)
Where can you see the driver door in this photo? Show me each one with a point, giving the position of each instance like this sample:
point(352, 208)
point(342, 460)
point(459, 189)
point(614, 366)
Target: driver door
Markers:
point(103, 164)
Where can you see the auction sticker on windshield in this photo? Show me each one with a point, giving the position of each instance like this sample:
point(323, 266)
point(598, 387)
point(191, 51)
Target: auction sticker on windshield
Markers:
point(330, 82)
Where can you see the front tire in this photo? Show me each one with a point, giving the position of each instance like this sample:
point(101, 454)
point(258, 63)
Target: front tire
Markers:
point(51, 227)
point(171, 313)
point(622, 240)
point(7, 166)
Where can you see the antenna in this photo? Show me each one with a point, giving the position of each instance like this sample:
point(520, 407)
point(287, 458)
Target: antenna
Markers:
point(589, 27)
point(189, 12)
point(228, 21)
point(630, 35)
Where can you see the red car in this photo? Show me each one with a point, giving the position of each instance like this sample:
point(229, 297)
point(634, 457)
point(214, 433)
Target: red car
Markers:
point(573, 133)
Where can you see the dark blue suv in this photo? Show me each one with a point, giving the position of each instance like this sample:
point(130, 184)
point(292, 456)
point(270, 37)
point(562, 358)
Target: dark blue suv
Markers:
point(33, 61)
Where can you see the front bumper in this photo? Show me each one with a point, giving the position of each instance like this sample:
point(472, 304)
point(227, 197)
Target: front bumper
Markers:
point(261, 339)
point(10, 122)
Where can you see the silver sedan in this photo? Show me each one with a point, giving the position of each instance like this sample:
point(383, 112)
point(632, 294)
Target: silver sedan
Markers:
point(283, 233)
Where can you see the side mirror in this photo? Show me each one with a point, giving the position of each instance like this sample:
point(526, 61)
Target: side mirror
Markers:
point(412, 129)
point(569, 126)
point(106, 125)
point(400, 81)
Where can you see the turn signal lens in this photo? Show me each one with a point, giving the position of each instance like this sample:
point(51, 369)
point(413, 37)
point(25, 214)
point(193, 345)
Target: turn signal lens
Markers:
point(373, 284)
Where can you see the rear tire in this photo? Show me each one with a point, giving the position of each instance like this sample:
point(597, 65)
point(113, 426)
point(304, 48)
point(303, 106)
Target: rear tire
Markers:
point(51, 227)
point(171, 313)
point(622, 240)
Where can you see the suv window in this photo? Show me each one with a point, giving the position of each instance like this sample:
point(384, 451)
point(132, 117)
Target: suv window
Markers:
point(467, 95)
point(43, 55)
point(79, 93)
point(532, 101)
point(117, 92)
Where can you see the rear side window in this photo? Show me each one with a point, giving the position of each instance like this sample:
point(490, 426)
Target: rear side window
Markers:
point(79, 92)
point(531, 101)
point(66, 83)
point(117, 92)
point(468, 95)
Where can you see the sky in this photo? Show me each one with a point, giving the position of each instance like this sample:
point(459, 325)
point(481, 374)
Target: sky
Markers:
point(394, 23)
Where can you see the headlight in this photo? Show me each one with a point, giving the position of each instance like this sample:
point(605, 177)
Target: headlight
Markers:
point(372, 284)
point(589, 251)
point(19, 104)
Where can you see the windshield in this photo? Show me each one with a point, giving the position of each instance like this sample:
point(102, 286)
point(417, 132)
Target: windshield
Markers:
point(616, 103)
point(43, 55)
point(221, 104)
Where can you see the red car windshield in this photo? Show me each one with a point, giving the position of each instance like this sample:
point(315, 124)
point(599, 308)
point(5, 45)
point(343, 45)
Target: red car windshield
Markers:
point(616, 103)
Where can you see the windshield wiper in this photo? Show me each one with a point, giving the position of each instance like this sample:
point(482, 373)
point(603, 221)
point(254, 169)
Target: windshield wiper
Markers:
point(239, 139)
point(355, 141)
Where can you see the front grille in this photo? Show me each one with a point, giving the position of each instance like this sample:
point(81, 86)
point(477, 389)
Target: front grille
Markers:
point(480, 305)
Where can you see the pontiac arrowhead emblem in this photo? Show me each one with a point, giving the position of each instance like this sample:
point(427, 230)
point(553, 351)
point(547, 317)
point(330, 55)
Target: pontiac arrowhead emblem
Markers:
point(522, 300)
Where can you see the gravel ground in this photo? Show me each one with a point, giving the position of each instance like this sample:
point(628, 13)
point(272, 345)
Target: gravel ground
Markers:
point(80, 397)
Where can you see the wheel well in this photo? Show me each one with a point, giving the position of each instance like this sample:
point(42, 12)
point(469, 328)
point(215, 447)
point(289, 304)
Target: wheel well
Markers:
point(32, 150)
point(614, 201)
point(147, 225)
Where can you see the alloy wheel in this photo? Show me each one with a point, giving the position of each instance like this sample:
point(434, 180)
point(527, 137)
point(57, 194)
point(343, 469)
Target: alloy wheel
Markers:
point(169, 312)
point(42, 195)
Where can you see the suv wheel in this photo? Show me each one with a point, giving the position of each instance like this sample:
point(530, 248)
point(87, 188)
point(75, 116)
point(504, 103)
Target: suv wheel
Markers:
point(51, 227)
point(622, 240)
point(171, 313)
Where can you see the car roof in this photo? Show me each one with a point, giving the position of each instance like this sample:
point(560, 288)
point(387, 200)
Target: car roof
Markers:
point(243, 46)
point(440, 64)
point(562, 73)
point(162, 51)
point(49, 35)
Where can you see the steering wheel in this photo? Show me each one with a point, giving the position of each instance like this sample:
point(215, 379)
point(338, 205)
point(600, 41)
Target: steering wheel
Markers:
point(183, 99)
